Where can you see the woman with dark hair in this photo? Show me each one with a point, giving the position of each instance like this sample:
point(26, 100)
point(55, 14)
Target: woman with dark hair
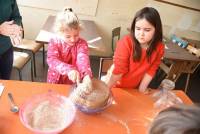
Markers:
point(138, 55)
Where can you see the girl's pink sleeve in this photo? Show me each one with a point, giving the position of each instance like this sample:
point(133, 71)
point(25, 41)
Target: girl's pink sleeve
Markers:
point(54, 59)
point(157, 61)
point(83, 62)
point(121, 57)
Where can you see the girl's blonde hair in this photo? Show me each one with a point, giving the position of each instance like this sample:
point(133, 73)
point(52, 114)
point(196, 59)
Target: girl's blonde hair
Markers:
point(65, 20)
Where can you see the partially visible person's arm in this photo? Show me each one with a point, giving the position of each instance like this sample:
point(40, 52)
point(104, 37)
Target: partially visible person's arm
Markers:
point(16, 17)
point(12, 27)
point(7, 29)
point(16, 14)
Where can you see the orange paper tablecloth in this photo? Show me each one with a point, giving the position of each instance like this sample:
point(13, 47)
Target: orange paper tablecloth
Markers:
point(131, 112)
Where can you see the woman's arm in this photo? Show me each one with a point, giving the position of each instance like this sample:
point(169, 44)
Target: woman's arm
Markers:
point(16, 14)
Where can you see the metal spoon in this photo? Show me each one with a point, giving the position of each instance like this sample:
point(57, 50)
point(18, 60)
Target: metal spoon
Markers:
point(14, 108)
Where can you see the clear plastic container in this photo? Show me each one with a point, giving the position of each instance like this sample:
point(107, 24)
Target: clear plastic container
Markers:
point(165, 97)
point(165, 86)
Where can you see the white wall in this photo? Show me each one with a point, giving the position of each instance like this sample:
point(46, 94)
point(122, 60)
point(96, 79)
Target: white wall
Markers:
point(113, 13)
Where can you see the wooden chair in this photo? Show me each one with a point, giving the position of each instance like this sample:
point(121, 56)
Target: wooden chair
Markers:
point(32, 47)
point(115, 36)
point(20, 60)
point(187, 67)
point(105, 64)
point(166, 66)
point(191, 66)
point(194, 49)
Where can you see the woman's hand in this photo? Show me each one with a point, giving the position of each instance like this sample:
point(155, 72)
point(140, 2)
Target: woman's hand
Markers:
point(74, 76)
point(8, 28)
point(16, 40)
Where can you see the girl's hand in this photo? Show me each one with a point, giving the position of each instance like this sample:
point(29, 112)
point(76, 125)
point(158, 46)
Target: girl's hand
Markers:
point(105, 78)
point(84, 88)
point(146, 91)
point(88, 83)
point(74, 76)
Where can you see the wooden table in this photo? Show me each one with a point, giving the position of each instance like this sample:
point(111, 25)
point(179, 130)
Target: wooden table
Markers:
point(131, 111)
point(175, 52)
point(89, 32)
point(180, 57)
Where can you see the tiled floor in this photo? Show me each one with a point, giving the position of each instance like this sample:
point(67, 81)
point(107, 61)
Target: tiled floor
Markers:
point(193, 91)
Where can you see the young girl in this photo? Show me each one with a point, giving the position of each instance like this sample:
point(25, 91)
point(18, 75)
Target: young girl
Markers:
point(138, 55)
point(67, 54)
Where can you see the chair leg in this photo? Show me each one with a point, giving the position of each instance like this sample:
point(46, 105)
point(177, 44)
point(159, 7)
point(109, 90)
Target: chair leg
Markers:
point(20, 74)
point(161, 75)
point(43, 55)
point(187, 82)
point(31, 71)
point(34, 64)
point(100, 68)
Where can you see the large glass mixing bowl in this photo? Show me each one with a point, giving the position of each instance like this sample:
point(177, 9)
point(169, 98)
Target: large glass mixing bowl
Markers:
point(48, 113)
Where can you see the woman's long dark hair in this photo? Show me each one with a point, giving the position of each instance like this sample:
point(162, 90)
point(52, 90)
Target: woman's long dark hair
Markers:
point(153, 17)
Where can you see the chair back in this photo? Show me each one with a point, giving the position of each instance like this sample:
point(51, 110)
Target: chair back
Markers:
point(105, 64)
point(115, 36)
point(188, 67)
point(22, 30)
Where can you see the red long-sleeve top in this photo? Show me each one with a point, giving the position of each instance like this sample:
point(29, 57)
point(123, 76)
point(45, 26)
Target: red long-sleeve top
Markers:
point(134, 71)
